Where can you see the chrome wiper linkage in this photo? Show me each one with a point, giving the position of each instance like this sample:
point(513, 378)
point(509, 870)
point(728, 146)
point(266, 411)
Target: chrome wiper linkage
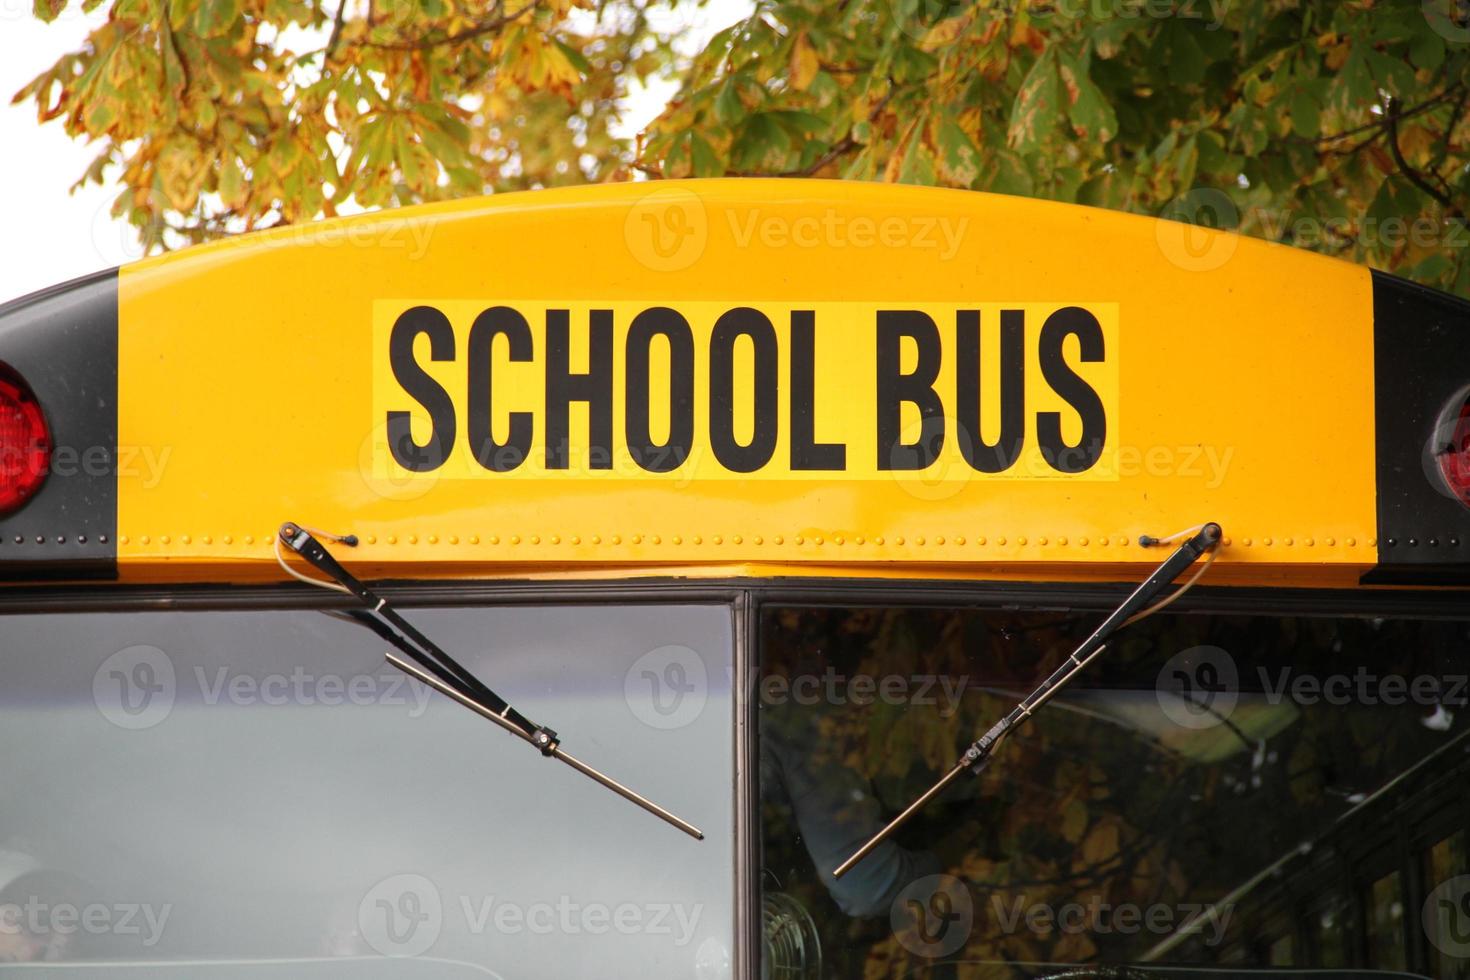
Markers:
point(427, 662)
point(978, 755)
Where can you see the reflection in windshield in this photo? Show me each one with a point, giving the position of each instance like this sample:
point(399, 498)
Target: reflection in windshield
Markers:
point(1221, 792)
point(256, 794)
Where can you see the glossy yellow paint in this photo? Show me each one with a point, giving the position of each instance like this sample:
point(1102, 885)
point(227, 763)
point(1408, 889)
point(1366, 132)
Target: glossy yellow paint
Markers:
point(1237, 384)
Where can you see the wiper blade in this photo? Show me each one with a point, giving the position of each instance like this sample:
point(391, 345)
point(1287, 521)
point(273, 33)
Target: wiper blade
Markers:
point(978, 755)
point(427, 662)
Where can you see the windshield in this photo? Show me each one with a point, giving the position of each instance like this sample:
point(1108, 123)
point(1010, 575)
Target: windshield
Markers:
point(1246, 793)
point(252, 794)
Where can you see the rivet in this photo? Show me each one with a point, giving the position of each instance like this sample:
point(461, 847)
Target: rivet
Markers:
point(1021, 540)
point(102, 538)
point(145, 539)
point(535, 539)
point(637, 539)
point(1225, 541)
point(163, 539)
point(778, 539)
point(1266, 542)
point(859, 540)
point(454, 539)
point(1082, 542)
point(1372, 542)
point(229, 539)
point(475, 539)
point(1124, 541)
point(1393, 542)
point(757, 540)
point(186, 540)
point(737, 539)
point(392, 539)
point(555, 539)
point(676, 539)
point(81, 539)
point(61, 539)
point(1330, 542)
point(575, 539)
point(413, 539)
point(494, 539)
point(1286, 542)
point(515, 539)
point(1454, 542)
point(1310, 543)
point(21, 540)
point(898, 540)
point(1000, 541)
point(1062, 541)
point(717, 539)
point(919, 540)
point(617, 539)
point(1413, 542)
point(433, 539)
point(878, 540)
point(654, 539)
point(1041, 540)
point(939, 539)
point(371, 539)
point(249, 539)
point(1351, 542)
point(40, 539)
point(960, 539)
point(980, 540)
point(1103, 542)
point(818, 540)
point(1434, 542)
point(798, 540)
point(596, 539)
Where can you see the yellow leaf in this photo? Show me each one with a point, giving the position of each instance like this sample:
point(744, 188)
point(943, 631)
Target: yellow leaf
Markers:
point(804, 63)
point(946, 31)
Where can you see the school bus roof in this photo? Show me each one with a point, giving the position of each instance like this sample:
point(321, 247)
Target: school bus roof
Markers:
point(741, 377)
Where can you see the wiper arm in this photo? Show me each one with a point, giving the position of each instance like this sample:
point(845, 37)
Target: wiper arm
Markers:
point(427, 662)
point(978, 755)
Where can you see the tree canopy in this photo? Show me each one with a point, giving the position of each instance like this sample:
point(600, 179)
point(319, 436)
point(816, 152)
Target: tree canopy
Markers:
point(1334, 125)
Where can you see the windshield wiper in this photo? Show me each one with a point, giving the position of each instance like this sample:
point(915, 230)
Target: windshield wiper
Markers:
point(426, 662)
point(978, 755)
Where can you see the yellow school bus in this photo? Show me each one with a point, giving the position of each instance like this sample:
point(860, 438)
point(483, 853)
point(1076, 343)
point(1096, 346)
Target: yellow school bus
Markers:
point(914, 583)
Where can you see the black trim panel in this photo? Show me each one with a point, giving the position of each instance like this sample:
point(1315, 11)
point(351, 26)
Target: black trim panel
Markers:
point(1421, 360)
point(63, 341)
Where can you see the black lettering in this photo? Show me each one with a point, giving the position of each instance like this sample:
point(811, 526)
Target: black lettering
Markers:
point(669, 324)
point(1001, 455)
point(563, 387)
point(500, 457)
point(806, 452)
point(742, 321)
point(425, 390)
point(1071, 321)
point(895, 388)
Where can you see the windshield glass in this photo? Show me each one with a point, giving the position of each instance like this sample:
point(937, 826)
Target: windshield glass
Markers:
point(1247, 793)
point(223, 794)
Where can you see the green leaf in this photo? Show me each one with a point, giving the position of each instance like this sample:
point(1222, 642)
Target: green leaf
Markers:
point(48, 10)
point(1009, 175)
point(729, 110)
point(1036, 108)
point(703, 159)
point(1091, 114)
point(1397, 197)
point(959, 159)
point(1306, 114)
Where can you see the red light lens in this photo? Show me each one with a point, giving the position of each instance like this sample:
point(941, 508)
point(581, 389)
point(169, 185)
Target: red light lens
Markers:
point(1454, 457)
point(25, 443)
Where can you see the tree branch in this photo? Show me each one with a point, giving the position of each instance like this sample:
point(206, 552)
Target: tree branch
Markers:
point(1415, 177)
point(469, 33)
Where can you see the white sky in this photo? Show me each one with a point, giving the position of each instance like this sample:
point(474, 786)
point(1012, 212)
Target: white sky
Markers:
point(48, 235)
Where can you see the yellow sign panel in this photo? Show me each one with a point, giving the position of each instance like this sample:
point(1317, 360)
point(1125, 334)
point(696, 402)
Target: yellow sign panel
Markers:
point(796, 374)
point(690, 391)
